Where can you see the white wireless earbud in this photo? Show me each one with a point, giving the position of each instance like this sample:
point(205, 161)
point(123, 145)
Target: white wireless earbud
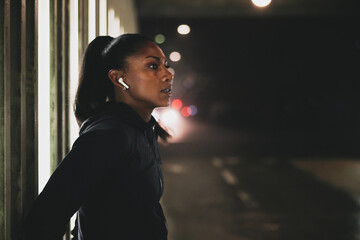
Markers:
point(121, 81)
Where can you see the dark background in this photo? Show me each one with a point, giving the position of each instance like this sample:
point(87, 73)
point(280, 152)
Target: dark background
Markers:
point(293, 77)
point(274, 148)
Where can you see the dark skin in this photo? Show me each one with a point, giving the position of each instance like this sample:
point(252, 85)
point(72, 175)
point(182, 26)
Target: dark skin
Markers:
point(148, 78)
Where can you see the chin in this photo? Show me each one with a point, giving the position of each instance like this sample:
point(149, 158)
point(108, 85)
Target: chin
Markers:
point(166, 104)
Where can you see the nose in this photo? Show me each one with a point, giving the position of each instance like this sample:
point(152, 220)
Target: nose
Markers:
point(169, 76)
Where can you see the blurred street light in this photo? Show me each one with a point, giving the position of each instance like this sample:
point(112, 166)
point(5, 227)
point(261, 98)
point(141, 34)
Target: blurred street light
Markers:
point(183, 29)
point(261, 3)
point(159, 38)
point(175, 56)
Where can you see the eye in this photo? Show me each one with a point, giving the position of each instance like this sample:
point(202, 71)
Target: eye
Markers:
point(167, 65)
point(154, 66)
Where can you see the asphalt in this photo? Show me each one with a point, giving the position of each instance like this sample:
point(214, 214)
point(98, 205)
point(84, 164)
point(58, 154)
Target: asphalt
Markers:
point(236, 185)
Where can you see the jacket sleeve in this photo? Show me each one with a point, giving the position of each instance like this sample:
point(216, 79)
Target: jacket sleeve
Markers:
point(93, 159)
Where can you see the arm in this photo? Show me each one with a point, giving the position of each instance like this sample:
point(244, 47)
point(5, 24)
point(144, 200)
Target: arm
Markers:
point(93, 159)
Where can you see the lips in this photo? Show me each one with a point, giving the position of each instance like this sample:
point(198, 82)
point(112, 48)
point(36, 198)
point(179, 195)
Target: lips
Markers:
point(166, 90)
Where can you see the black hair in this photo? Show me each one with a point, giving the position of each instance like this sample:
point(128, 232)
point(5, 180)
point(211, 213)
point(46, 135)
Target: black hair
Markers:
point(95, 89)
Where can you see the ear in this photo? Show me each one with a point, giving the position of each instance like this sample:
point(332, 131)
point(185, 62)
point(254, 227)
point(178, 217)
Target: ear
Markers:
point(114, 76)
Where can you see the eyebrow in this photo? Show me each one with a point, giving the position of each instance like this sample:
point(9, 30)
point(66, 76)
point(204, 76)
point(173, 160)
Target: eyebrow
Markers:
point(157, 58)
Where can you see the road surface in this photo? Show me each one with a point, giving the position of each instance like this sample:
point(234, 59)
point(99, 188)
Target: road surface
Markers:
point(215, 188)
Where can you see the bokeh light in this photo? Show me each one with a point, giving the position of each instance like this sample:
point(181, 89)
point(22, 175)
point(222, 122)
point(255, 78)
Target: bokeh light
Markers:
point(175, 56)
point(193, 110)
point(159, 38)
point(172, 71)
point(188, 83)
point(183, 29)
point(261, 3)
point(186, 111)
point(170, 117)
point(176, 104)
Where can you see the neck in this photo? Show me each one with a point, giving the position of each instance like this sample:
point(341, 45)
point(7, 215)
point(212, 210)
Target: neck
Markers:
point(143, 111)
point(145, 114)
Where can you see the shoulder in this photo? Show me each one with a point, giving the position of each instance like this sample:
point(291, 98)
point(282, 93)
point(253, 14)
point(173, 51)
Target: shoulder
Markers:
point(107, 135)
point(105, 122)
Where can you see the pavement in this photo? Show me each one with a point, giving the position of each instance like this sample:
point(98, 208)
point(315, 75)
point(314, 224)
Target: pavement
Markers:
point(235, 185)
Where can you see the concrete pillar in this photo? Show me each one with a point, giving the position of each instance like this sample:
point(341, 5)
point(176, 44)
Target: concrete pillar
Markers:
point(18, 150)
point(18, 96)
point(59, 80)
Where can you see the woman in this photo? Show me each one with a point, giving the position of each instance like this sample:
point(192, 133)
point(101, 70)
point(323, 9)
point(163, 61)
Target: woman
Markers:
point(112, 176)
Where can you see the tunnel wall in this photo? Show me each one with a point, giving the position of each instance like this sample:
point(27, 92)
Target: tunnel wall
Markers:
point(19, 82)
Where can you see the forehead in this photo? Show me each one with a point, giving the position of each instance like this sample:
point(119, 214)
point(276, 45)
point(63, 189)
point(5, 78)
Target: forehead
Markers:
point(150, 49)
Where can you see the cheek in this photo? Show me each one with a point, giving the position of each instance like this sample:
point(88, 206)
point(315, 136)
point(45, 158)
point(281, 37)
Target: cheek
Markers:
point(143, 84)
point(144, 88)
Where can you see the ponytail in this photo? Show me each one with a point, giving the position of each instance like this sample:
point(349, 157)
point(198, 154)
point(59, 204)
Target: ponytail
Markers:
point(95, 88)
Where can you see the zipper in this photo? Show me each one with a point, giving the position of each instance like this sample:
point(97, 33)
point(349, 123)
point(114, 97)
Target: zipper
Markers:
point(151, 142)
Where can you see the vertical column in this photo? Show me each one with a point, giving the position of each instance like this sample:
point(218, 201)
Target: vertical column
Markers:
point(59, 82)
point(54, 114)
point(103, 24)
point(18, 108)
point(64, 86)
point(97, 18)
point(65, 46)
point(28, 114)
point(2, 125)
point(83, 26)
point(59, 79)
point(12, 139)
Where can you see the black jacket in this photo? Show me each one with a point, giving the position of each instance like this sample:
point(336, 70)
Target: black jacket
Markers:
point(111, 177)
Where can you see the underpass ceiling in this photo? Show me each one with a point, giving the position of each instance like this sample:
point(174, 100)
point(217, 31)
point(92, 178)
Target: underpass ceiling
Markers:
point(239, 8)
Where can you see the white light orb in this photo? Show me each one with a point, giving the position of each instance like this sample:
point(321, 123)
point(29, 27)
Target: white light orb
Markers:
point(261, 3)
point(170, 117)
point(175, 56)
point(183, 29)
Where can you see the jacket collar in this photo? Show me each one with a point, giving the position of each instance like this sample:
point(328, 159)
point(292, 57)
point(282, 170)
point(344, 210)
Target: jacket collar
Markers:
point(122, 112)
